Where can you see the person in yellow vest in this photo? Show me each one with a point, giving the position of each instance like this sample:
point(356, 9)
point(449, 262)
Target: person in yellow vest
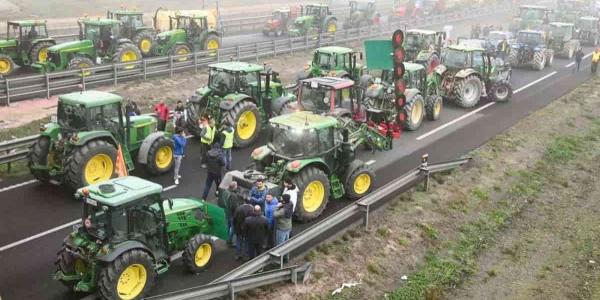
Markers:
point(595, 60)
point(207, 135)
point(227, 132)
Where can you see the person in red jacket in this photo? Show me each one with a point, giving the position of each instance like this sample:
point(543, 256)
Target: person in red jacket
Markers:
point(162, 110)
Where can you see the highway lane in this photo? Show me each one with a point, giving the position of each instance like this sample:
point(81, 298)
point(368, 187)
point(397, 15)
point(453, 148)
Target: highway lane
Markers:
point(30, 263)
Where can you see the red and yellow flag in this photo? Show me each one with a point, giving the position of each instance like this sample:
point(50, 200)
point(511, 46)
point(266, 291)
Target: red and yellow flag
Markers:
point(121, 168)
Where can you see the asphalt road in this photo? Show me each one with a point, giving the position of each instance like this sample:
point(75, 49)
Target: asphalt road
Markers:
point(34, 208)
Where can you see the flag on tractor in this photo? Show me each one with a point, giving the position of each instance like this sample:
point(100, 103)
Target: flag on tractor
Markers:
point(121, 167)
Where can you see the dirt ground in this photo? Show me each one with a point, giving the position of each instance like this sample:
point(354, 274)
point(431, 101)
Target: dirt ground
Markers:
point(538, 184)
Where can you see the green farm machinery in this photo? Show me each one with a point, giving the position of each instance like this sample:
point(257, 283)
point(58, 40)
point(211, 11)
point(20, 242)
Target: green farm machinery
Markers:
point(563, 39)
point(589, 30)
point(278, 23)
point(130, 234)
point(82, 145)
point(239, 93)
point(133, 28)
point(26, 42)
point(531, 17)
point(313, 19)
point(188, 33)
point(531, 48)
point(424, 47)
point(362, 14)
point(333, 61)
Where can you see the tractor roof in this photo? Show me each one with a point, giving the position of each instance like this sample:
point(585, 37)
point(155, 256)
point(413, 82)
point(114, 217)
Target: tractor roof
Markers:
point(465, 48)
point(588, 18)
point(90, 98)
point(26, 23)
point(421, 31)
point(237, 66)
point(193, 14)
point(304, 120)
point(561, 24)
point(122, 190)
point(100, 22)
point(330, 82)
point(334, 50)
point(283, 9)
point(530, 31)
point(317, 5)
point(540, 7)
point(127, 12)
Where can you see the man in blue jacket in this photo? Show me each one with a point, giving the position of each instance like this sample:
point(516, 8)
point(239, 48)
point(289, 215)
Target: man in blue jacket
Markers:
point(271, 204)
point(258, 193)
point(180, 142)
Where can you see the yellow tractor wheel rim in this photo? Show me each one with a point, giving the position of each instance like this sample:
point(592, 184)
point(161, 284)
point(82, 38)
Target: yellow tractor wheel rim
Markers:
point(43, 55)
point(145, 45)
point(182, 51)
point(85, 66)
point(331, 27)
point(203, 254)
point(417, 112)
point(99, 168)
point(437, 108)
point(362, 183)
point(129, 56)
point(132, 281)
point(5, 66)
point(164, 156)
point(80, 266)
point(246, 125)
point(212, 45)
point(313, 196)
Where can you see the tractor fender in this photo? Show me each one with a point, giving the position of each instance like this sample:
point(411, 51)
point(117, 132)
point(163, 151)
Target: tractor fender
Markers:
point(146, 144)
point(51, 40)
point(466, 72)
point(122, 248)
point(316, 162)
point(124, 41)
point(231, 100)
point(410, 94)
point(278, 104)
point(86, 137)
point(440, 69)
point(51, 130)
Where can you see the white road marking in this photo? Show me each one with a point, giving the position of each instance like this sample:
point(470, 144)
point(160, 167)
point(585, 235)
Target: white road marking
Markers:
point(39, 235)
point(169, 188)
point(18, 185)
point(481, 108)
point(584, 57)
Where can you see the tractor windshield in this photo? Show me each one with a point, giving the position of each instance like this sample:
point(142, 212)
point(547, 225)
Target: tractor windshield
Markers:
point(27, 32)
point(71, 117)
point(129, 20)
point(221, 81)
point(559, 31)
point(293, 143)
point(453, 58)
point(323, 60)
point(529, 38)
point(103, 222)
point(314, 99)
point(413, 41)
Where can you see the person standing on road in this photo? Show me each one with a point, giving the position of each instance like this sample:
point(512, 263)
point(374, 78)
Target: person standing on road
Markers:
point(283, 220)
point(271, 204)
point(229, 201)
point(290, 189)
point(256, 230)
point(179, 115)
point(179, 141)
point(239, 218)
point(206, 138)
point(227, 138)
point(214, 170)
point(578, 59)
point(595, 60)
point(503, 49)
point(258, 193)
point(162, 110)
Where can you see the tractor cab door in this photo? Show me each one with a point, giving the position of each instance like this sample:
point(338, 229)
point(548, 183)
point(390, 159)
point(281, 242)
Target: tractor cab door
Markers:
point(198, 32)
point(147, 224)
point(480, 62)
point(327, 147)
point(108, 117)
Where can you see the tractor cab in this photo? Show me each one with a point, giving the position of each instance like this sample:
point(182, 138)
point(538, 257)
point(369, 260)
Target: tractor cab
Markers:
point(282, 15)
point(319, 11)
point(103, 33)
point(278, 22)
point(588, 23)
point(417, 40)
point(131, 21)
point(237, 77)
point(335, 61)
point(464, 57)
point(359, 9)
point(531, 37)
point(531, 17)
point(194, 26)
point(26, 42)
point(327, 95)
point(560, 31)
point(25, 32)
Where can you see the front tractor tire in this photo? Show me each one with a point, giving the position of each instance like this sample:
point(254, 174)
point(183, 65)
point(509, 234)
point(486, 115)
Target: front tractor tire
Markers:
point(7, 65)
point(314, 193)
point(433, 107)
point(127, 53)
point(39, 52)
point(144, 40)
point(358, 180)
point(513, 59)
point(197, 255)
point(130, 276)
point(246, 119)
point(468, 91)
point(69, 264)
point(212, 44)
point(38, 155)
point(501, 91)
point(91, 163)
point(415, 111)
point(180, 49)
point(160, 156)
point(80, 63)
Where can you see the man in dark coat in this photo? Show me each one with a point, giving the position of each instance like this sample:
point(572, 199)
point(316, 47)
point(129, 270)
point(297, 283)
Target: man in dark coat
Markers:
point(239, 218)
point(256, 230)
point(214, 168)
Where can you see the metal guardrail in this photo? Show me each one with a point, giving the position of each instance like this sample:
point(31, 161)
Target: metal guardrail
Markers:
point(294, 274)
point(360, 208)
point(12, 89)
point(17, 149)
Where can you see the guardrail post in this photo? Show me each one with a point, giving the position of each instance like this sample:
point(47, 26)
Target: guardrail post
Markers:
point(231, 291)
point(425, 169)
point(145, 67)
point(171, 65)
point(274, 49)
point(365, 209)
point(256, 50)
point(196, 62)
point(115, 74)
point(237, 50)
point(7, 92)
point(47, 85)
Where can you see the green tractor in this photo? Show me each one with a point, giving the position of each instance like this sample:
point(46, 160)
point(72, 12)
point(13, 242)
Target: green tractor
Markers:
point(130, 234)
point(467, 74)
point(333, 61)
point(422, 90)
point(26, 42)
point(362, 14)
point(318, 153)
point(237, 92)
point(531, 17)
point(99, 42)
point(133, 28)
point(81, 147)
point(314, 19)
point(188, 33)
point(424, 47)
point(589, 30)
point(563, 39)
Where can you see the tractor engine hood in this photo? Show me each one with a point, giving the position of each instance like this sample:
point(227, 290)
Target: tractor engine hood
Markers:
point(71, 46)
point(201, 93)
point(302, 20)
point(8, 43)
point(166, 36)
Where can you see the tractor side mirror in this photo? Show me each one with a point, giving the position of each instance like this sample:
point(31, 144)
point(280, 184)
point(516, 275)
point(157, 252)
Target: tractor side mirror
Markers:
point(170, 201)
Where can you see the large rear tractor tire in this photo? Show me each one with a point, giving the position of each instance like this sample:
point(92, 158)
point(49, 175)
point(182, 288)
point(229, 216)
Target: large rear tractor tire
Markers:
point(160, 156)
point(39, 52)
point(539, 61)
point(501, 91)
point(246, 119)
point(415, 111)
point(81, 62)
point(144, 40)
point(314, 193)
point(180, 49)
point(433, 107)
point(358, 180)
point(513, 59)
point(70, 264)
point(127, 53)
point(91, 163)
point(7, 65)
point(197, 255)
point(129, 276)
point(468, 91)
point(38, 155)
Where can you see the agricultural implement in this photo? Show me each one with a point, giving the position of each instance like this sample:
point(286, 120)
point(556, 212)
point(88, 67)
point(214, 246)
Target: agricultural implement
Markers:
point(26, 42)
point(81, 147)
point(130, 234)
